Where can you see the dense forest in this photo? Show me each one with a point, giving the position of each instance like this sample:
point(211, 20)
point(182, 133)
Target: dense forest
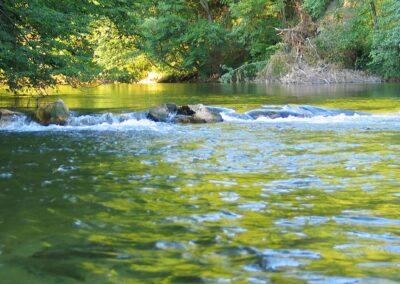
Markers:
point(45, 42)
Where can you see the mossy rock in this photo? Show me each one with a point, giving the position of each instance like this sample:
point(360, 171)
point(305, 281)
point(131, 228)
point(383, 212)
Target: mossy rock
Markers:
point(53, 113)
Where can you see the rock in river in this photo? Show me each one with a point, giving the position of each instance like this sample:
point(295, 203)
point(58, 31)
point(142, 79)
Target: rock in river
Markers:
point(53, 113)
point(162, 113)
point(184, 114)
point(8, 116)
point(272, 113)
point(197, 114)
point(5, 113)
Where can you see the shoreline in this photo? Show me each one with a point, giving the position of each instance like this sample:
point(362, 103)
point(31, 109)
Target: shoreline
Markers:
point(275, 82)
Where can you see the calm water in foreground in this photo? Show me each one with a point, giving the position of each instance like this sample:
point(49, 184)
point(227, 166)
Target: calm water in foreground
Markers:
point(295, 200)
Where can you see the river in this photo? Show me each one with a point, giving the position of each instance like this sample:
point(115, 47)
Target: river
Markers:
point(290, 200)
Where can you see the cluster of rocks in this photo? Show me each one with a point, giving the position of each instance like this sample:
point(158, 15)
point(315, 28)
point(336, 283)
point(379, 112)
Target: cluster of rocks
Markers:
point(58, 113)
point(183, 114)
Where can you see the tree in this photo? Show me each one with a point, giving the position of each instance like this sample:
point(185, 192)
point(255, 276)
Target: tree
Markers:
point(40, 39)
point(186, 36)
point(44, 41)
point(254, 25)
point(385, 52)
point(315, 7)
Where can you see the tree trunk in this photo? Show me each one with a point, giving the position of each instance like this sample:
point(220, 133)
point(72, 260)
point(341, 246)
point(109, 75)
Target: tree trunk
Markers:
point(374, 14)
point(283, 12)
point(204, 4)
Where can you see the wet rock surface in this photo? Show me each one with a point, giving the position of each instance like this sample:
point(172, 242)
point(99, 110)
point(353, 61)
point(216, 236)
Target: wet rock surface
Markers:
point(162, 113)
point(198, 113)
point(8, 116)
point(4, 113)
point(53, 113)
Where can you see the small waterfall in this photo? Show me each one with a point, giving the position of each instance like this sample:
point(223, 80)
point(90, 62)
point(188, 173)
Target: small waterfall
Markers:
point(132, 120)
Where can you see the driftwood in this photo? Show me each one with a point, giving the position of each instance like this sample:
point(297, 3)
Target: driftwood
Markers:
point(301, 63)
point(302, 73)
point(298, 36)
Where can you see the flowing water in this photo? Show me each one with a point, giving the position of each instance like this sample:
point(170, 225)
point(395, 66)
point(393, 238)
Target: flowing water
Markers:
point(115, 198)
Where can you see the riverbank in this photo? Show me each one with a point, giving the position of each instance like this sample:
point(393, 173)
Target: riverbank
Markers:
point(302, 73)
point(305, 75)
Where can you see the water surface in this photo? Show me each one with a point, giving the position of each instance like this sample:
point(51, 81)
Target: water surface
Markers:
point(294, 200)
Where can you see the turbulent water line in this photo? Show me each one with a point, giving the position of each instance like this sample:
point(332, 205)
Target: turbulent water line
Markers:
point(266, 114)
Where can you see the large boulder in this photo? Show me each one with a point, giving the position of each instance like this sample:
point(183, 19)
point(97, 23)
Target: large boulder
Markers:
point(53, 113)
point(197, 114)
point(162, 113)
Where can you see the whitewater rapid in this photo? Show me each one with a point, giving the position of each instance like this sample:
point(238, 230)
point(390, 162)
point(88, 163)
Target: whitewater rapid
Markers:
point(291, 115)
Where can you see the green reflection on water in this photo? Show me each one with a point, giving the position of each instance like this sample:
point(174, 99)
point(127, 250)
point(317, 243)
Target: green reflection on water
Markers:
point(204, 203)
point(366, 97)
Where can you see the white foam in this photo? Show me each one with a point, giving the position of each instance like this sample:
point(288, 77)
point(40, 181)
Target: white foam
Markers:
point(129, 124)
point(133, 121)
point(229, 118)
point(341, 118)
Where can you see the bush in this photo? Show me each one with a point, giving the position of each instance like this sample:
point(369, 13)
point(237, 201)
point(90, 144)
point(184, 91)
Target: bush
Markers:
point(385, 51)
point(244, 73)
point(315, 7)
point(278, 65)
point(345, 41)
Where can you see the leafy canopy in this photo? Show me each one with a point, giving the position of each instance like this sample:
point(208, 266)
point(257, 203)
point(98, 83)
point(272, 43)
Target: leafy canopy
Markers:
point(43, 42)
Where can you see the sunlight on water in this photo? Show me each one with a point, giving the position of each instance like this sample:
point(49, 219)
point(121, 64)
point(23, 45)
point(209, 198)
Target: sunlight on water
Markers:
point(115, 198)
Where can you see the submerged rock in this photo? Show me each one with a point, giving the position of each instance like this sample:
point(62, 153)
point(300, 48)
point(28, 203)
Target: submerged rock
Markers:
point(311, 111)
point(272, 113)
point(162, 113)
point(297, 111)
point(53, 113)
point(197, 114)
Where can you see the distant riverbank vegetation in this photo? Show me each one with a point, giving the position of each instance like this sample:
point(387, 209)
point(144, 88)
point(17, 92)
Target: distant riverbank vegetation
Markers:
point(47, 42)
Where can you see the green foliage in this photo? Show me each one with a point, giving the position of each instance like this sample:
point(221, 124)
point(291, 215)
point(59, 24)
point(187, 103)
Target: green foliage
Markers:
point(244, 73)
point(43, 42)
point(254, 25)
point(41, 39)
point(385, 51)
point(279, 63)
point(350, 37)
point(116, 53)
point(250, 70)
point(315, 7)
point(346, 40)
point(180, 37)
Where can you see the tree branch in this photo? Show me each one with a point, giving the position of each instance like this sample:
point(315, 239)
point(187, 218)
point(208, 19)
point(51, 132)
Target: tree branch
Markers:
point(374, 14)
point(204, 4)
